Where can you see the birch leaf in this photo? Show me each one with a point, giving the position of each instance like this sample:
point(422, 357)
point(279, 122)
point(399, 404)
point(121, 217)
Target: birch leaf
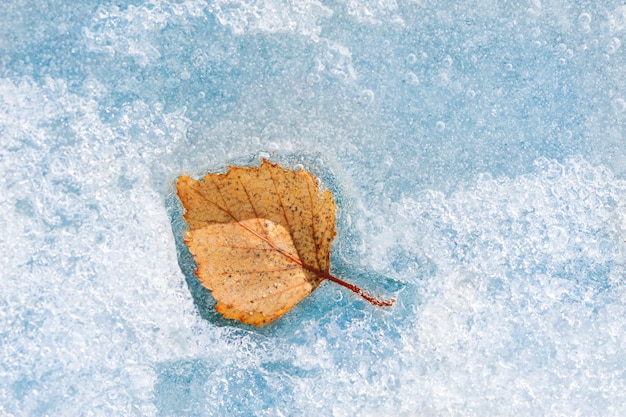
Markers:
point(261, 238)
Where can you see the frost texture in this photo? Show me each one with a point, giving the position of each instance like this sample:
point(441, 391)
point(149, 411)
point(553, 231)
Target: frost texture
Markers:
point(373, 12)
point(569, 218)
point(272, 16)
point(530, 271)
point(480, 155)
point(129, 32)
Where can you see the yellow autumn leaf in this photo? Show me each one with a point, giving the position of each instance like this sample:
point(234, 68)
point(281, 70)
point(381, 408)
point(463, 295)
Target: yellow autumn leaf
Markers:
point(261, 238)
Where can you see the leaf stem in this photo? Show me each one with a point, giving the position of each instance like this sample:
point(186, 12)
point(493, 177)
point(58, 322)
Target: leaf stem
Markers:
point(356, 290)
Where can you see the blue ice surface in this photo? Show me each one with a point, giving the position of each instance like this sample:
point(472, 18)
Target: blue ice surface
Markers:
point(478, 152)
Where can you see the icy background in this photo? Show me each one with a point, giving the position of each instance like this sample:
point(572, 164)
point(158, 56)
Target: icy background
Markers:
point(481, 146)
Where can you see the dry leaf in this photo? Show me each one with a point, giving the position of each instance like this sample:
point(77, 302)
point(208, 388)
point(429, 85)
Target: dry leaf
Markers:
point(261, 238)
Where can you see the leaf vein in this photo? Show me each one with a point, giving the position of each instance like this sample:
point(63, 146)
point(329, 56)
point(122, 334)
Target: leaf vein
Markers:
point(313, 231)
point(242, 272)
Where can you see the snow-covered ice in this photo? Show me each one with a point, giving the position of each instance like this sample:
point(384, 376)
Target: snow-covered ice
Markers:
point(476, 151)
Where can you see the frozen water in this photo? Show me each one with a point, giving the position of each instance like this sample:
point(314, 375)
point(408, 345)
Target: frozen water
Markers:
point(476, 152)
